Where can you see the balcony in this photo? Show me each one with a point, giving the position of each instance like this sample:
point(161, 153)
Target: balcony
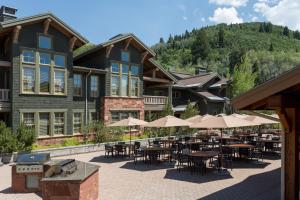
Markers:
point(154, 103)
point(4, 95)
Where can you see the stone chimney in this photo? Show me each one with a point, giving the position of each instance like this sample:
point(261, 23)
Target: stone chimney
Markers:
point(7, 13)
point(200, 70)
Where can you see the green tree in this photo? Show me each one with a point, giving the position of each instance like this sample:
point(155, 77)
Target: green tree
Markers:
point(83, 49)
point(8, 141)
point(168, 110)
point(190, 111)
point(243, 78)
point(221, 38)
point(286, 31)
point(268, 27)
point(271, 47)
point(200, 47)
point(261, 28)
point(297, 35)
point(26, 137)
point(161, 40)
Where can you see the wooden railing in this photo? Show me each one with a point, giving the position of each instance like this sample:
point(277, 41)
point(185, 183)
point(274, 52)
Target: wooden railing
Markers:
point(155, 100)
point(4, 94)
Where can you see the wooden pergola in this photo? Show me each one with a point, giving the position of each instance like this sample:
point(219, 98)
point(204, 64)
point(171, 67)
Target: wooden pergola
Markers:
point(281, 94)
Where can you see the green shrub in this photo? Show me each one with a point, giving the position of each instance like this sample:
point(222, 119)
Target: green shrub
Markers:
point(8, 141)
point(104, 133)
point(26, 137)
point(70, 142)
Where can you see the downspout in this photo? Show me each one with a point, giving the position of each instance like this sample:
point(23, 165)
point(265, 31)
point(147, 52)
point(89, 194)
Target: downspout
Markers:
point(86, 105)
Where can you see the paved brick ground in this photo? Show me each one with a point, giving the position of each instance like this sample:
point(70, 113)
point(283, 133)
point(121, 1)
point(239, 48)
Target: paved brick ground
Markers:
point(121, 179)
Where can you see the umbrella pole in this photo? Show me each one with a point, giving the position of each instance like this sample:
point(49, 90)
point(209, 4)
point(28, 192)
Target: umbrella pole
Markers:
point(221, 151)
point(129, 140)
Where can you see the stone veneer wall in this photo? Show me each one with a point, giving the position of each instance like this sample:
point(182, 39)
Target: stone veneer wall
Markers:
point(122, 104)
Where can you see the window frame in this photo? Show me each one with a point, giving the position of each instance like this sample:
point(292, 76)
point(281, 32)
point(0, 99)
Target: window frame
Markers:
point(94, 94)
point(44, 35)
point(81, 122)
point(65, 61)
point(81, 85)
point(121, 58)
point(35, 79)
point(120, 112)
point(63, 124)
point(22, 57)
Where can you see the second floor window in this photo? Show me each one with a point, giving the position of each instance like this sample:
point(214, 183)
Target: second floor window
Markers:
point(125, 56)
point(28, 79)
point(45, 59)
point(45, 42)
point(60, 61)
point(94, 86)
point(77, 86)
point(44, 79)
point(28, 57)
point(59, 81)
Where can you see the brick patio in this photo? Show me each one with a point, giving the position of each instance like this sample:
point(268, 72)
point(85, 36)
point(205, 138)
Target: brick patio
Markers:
point(121, 179)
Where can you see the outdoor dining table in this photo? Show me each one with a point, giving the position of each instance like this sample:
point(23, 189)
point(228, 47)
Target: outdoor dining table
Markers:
point(204, 154)
point(148, 151)
point(241, 146)
point(167, 142)
point(269, 144)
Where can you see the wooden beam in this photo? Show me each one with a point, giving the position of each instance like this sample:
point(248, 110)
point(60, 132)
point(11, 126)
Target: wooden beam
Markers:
point(161, 80)
point(291, 156)
point(46, 25)
point(284, 119)
point(127, 43)
point(16, 33)
point(72, 42)
point(143, 56)
point(6, 45)
point(108, 50)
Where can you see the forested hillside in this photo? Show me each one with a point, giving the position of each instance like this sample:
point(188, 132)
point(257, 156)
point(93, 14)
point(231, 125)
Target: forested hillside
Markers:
point(248, 53)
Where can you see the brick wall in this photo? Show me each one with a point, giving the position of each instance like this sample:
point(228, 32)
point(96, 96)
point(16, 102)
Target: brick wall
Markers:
point(19, 181)
point(72, 190)
point(61, 139)
point(122, 104)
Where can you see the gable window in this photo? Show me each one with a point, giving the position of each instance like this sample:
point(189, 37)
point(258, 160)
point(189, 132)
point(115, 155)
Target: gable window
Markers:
point(115, 85)
point(59, 81)
point(77, 122)
point(60, 61)
point(44, 79)
point(45, 59)
point(28, 57)
point(59, 123)
point(115, 68)
point(125, 56)
point(94, 86)
point(45, 42)
point(77, 86)
point(28, 79)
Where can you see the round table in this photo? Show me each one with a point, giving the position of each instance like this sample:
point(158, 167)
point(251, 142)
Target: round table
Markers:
point(204, 154)
point(249, 146)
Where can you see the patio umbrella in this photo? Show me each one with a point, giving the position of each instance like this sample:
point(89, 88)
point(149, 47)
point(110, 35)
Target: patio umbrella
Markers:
point(199, 118)
point(130, 121)
point(167, 122)
point(242, 116)
point(222, 122)
point(260, 120)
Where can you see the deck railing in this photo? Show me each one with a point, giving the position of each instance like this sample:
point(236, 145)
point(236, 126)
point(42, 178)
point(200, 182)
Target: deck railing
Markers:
point(155, 100)
point(4, 94)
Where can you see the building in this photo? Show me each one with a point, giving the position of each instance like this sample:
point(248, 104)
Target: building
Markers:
point(208, 91)
point(43, 86)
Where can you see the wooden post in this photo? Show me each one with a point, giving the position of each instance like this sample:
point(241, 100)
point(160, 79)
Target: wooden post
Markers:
point(290, 187)
point(72, 43)
point(46, 25)
point(16, 33)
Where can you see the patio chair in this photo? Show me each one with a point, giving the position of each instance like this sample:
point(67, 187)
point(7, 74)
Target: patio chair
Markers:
point(181, 160)
point(257, 152)
point(119, 149)
point(198, 163)
point(227, 158)
point(138, 153)
point(109, 149)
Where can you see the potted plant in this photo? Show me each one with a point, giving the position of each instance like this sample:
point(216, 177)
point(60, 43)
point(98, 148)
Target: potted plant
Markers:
point(7, 143)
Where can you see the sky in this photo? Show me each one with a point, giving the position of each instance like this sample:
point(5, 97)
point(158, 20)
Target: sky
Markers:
point(99, 20)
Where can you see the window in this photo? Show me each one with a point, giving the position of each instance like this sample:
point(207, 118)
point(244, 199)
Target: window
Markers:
point(125, 69)
point(124, 83)
point(45, 42)
point(59, 81)
point(77, 87)
point(125, 56)
point(115, 85)
point(77, 122)
point(45, 59)
point(94, 86)
point(59, 123)
point(115, 68)
point(28, 79)
point(134, 87)
point(28, 57)
point(94, 117)
point(134, 70)
point(60, 61)
point(28, 120)
point(44, 124)
point(44, 79)
point(119, 115)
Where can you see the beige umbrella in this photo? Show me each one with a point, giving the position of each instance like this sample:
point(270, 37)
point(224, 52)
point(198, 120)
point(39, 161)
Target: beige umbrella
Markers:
point(130, 121)
point(221, 122)
point(260, 120)
point(242, 116)
point(168, 121)
point(194, 119)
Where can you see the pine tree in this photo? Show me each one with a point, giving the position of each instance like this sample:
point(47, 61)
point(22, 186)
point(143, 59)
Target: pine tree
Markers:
point(268, 27)
point(297, 35)
point(168, 110)
point(170, 40)
point(221, 36)
point(200, 47)
point(161, 40)
point(190, 111)
point(271, 47)
point(286, 31)
point(261, 28)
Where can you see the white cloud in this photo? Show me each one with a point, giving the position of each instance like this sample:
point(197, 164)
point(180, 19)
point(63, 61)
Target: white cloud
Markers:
point(234, 3)
point(184, 18)
point(283, 12)
point(254, 19)
point(226, 15)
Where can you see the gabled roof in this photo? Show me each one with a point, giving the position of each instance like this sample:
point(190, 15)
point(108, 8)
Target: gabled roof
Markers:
point(152, 61)
point(220, 83)
point(39, 17)
point(211, 97)
point(196, 81)
point(180, 75)
point(282, 84)
point(115, 39)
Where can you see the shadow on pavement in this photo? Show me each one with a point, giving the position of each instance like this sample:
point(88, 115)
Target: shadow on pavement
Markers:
point(141, 166)
point(264, 186)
